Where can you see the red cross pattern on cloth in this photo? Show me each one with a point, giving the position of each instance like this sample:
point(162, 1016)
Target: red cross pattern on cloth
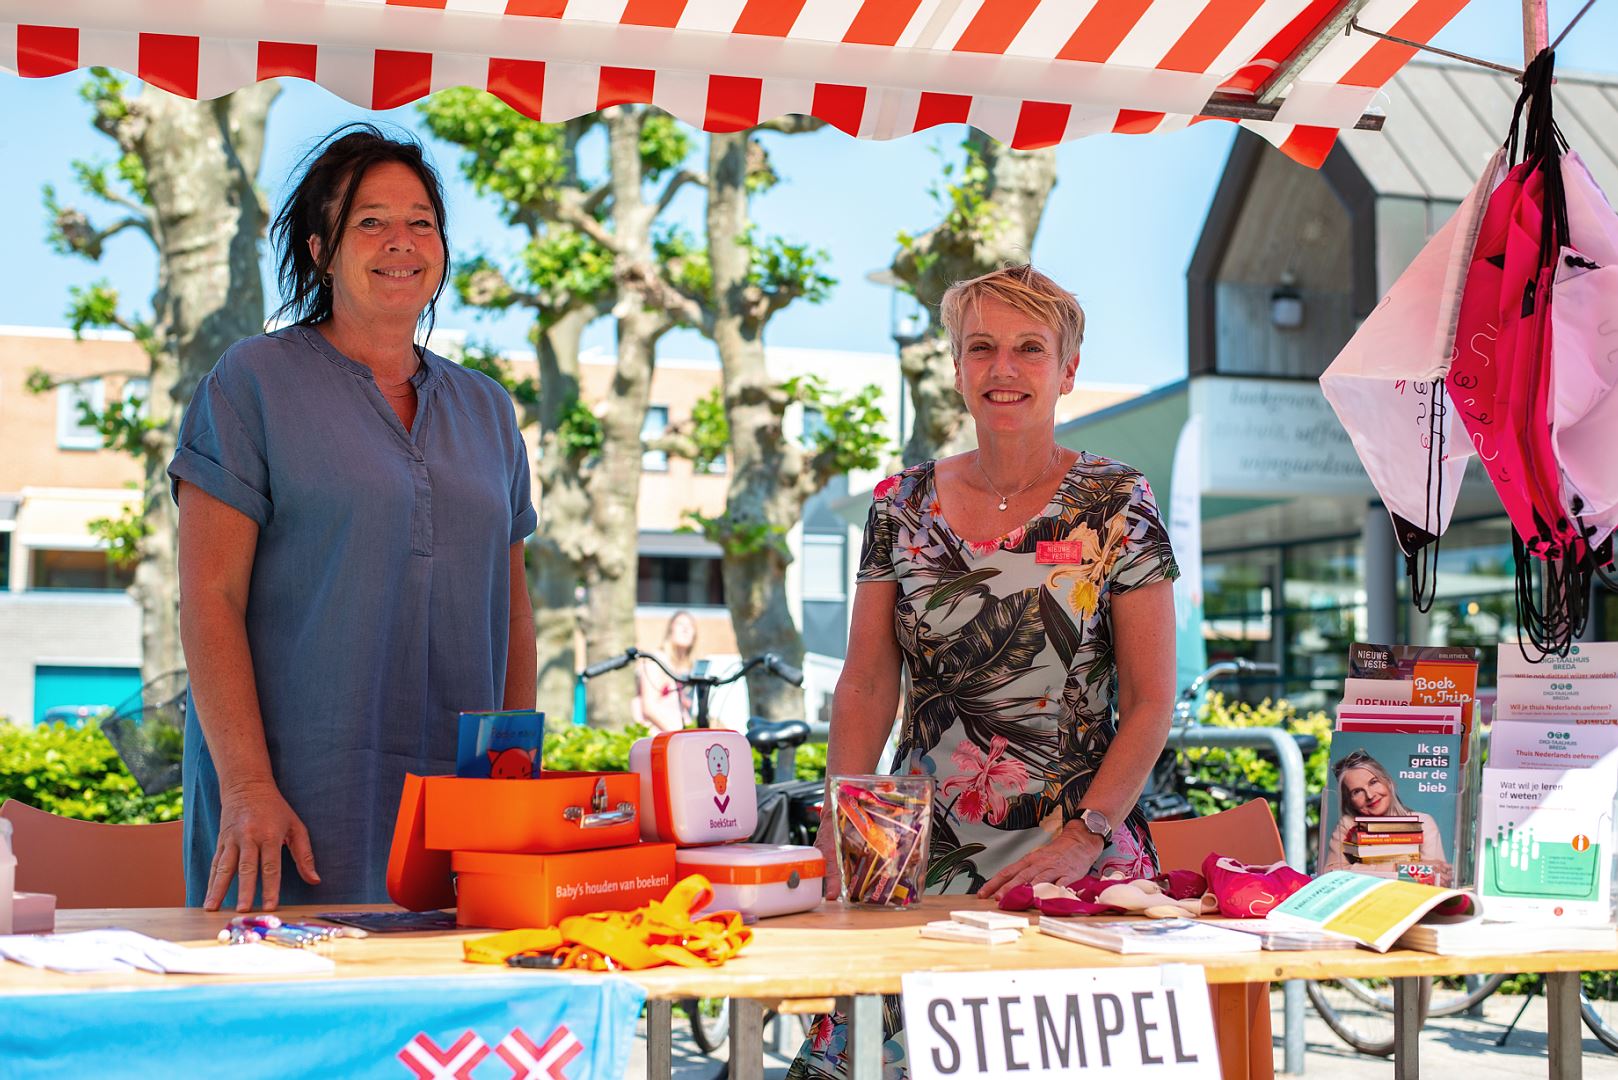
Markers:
point(423, 1057)
point(530, 1062)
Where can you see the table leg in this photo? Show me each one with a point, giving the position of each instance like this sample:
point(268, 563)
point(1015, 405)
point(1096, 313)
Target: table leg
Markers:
point(865, 1035)
point(659, 1038)
point(746, 1039)
point(1406, 1028)
point(1292, 1040)
point(1563, 1032)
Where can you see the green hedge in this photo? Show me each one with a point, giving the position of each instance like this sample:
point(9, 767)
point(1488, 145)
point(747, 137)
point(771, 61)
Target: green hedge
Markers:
point(588, 749)
point(1248, 766)
point(75, 772)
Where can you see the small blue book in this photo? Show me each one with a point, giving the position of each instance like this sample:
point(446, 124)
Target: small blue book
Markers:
point(500, 745)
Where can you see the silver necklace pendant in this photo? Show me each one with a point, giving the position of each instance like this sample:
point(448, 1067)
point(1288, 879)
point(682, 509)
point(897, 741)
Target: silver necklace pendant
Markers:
point(1002, 506)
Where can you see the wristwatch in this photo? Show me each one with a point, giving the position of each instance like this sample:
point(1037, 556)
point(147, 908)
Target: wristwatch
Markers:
point(1095, 821)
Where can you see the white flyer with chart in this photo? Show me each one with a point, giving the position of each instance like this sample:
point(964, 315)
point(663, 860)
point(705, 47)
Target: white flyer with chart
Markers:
point(1545, 844)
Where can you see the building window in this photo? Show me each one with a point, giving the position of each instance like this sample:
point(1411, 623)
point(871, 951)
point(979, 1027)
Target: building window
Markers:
point(680, 581)
point(72, 433)
point(655, 424)
point(1238, 605)
point(139, 390)
point(824, 574)
point(5, 559)
point(814, 425)
point(81, 569)
point(1324, 612)
point(1477, 600)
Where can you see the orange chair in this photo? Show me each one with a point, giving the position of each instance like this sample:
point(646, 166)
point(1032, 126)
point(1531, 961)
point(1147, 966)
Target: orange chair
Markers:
point(88, 864)
point(1241, 1010)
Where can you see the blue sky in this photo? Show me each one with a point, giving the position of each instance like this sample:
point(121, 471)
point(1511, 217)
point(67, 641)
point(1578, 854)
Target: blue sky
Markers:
point(1119, 229)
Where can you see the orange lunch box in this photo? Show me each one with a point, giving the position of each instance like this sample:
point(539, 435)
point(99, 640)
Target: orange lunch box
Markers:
point(560, 811)
point(507, 891)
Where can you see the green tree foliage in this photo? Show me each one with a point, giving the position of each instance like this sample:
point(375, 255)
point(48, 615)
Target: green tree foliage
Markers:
point(75, 772)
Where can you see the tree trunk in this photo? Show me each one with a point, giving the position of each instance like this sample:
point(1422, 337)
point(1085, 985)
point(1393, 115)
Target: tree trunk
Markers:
point(1000, 230)
point(553, 563)
point(611, 563)
point(765, 498)
point(201, 159)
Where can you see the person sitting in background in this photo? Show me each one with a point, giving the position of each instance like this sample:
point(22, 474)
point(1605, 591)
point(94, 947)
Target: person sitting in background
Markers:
point(661, 703)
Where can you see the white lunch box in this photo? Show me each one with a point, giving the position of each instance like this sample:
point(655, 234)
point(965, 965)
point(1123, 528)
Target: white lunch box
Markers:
point(758, 880)
point(696, 786)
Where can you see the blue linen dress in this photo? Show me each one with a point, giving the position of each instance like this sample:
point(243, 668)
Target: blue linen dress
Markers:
point(379, 604)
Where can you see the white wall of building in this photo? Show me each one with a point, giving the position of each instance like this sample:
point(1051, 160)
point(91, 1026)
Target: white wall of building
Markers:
point(69, 629)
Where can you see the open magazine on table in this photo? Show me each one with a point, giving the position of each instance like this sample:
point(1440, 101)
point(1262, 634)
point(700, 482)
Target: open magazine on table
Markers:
point(1374, 911)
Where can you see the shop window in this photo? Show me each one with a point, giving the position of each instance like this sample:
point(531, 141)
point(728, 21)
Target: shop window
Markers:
point(1324, 612)
point(1238, 607)
point(680, 581)
point(82, 569)
point(824, 572)
point(653, 427)
point(5, 559)
point(1476, 593)
point(72, 433)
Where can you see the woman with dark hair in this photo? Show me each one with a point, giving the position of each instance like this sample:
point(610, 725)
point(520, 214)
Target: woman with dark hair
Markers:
point(352, 511)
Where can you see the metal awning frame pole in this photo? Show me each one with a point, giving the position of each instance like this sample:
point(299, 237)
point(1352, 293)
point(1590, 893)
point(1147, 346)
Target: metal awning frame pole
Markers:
point(1536, 29)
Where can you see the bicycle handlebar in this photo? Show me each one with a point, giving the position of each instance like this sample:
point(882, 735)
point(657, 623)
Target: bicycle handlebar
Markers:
point(612, 663)
point(768, 661)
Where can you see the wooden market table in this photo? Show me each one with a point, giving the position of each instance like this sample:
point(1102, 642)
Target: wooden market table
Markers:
point(850, 957)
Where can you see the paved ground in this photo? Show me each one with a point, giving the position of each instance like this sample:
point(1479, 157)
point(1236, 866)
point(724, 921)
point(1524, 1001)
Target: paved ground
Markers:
point(1451, 1048)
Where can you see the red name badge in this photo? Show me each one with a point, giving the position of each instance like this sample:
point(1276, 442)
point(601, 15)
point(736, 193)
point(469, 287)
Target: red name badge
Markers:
point(1051, 552)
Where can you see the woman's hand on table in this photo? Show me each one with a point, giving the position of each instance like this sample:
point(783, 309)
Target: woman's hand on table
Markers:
point(255, 822)
point(1069, 854)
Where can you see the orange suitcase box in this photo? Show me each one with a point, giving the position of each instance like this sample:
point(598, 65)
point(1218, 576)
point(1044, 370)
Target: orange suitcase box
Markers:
point(559, 811)
point(506, 890)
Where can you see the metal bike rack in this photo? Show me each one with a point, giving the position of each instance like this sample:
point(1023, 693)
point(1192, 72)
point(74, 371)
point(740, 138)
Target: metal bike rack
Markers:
point(1294, 837)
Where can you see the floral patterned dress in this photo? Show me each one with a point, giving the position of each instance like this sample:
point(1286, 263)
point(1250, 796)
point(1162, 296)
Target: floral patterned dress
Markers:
point(1010, 676)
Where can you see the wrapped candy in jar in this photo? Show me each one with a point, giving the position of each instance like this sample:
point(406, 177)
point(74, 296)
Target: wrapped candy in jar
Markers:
point(883, 827)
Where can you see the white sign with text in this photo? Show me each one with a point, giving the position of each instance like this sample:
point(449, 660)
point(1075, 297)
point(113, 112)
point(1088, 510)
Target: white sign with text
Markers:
point(1272, 438)
point(1147, 1021)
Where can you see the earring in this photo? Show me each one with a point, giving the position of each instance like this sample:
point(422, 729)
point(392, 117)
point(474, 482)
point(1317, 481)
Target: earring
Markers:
point(325, 279)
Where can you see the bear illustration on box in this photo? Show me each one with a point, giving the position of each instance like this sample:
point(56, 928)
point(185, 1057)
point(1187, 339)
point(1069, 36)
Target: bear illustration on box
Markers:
point(512, 763)
point(719, 767)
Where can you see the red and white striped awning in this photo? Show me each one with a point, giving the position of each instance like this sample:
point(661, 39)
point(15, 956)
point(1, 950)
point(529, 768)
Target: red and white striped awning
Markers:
point(1030, 73)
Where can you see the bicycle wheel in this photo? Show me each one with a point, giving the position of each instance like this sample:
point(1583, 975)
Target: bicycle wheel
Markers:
point(1360, 1011)
point(1601, 1011)
point(1454, 1001)
point(710, 1022)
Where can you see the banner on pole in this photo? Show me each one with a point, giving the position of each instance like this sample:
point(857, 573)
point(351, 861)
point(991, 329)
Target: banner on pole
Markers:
point(1185, 533)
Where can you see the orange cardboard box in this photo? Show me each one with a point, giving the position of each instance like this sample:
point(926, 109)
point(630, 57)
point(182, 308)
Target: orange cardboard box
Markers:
point(506, 891)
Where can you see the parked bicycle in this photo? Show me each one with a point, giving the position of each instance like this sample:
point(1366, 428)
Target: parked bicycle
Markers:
point(788, 808)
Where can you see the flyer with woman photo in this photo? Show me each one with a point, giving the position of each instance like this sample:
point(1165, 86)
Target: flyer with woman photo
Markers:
point(1391, 806)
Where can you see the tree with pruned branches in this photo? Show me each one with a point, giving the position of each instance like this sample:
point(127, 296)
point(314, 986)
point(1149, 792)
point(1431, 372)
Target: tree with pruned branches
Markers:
point(185, 179)
point(585, 239)
point(992, 202)
point(730, 292)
